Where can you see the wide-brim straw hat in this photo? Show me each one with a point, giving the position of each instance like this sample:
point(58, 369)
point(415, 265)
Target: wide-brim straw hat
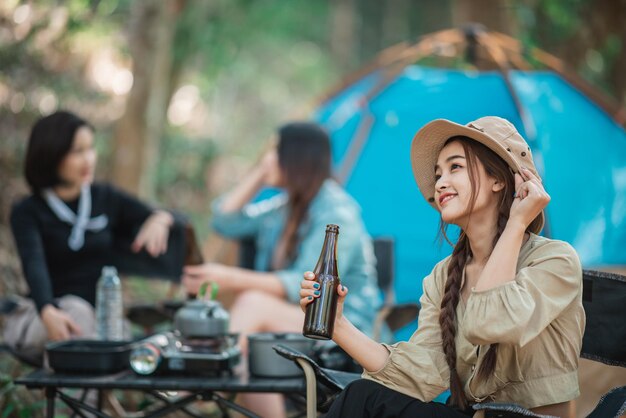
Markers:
point(497, 134)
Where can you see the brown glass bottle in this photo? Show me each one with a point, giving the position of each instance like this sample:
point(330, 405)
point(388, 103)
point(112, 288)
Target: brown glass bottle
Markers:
point(319, 320)
point(193, 255)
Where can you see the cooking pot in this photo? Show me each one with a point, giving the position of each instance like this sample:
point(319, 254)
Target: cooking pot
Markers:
point(201, 319)
point(264, 361)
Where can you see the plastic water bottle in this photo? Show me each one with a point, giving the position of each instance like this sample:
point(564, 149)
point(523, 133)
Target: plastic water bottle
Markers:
point(109, 306)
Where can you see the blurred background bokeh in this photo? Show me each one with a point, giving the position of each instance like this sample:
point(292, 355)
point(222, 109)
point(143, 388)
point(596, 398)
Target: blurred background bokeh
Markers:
point(184, 94)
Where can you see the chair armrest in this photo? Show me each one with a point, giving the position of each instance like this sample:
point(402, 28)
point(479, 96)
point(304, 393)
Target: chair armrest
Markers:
point(611, 405)
point(333, 379)
point(506, 410)
point(328, 383)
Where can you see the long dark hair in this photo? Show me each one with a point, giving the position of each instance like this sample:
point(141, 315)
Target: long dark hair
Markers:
point(304, 160)
point(50, 140)
point(497, 168)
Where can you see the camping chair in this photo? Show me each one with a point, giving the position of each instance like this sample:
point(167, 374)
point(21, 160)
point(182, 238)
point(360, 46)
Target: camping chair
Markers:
point(7, 304)
point(393, 314)
point(604, 299)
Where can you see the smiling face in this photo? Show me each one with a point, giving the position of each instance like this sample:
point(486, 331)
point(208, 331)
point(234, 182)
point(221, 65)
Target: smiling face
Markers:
point(464, 188)
point(79, 164)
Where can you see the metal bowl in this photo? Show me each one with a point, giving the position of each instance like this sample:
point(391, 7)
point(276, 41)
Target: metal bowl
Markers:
point(265, 362)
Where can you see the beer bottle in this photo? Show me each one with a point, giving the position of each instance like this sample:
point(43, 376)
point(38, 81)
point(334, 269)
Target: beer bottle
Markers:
point(193, 255)
point(319, 319)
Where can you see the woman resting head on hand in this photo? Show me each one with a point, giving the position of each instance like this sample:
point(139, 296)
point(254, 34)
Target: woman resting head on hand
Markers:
point(288, 231)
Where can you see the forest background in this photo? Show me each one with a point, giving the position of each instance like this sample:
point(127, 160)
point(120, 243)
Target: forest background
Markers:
point(184, 94)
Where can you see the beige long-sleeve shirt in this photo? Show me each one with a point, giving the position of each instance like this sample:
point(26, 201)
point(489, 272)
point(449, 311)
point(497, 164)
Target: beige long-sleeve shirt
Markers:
point(537, 319)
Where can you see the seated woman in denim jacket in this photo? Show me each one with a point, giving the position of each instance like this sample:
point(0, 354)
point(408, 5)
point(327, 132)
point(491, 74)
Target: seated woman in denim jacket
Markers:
point(289, 231)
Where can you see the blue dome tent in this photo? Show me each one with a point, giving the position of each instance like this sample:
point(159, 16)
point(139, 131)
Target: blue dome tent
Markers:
point(578, 144)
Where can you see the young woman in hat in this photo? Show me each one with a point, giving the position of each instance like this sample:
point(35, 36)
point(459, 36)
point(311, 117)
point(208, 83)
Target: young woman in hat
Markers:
point(289, 231)
point(502, 317)
point(64, 232)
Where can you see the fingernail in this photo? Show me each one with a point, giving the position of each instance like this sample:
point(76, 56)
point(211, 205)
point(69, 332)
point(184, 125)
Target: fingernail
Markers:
point(316, 293)
point(316, 285)
point(310, 297)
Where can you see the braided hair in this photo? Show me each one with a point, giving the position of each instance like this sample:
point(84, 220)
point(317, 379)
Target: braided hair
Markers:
point(497, 168)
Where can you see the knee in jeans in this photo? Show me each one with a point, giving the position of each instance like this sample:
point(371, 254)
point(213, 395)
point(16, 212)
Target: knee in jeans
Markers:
point(76, 304)
point(80, 311)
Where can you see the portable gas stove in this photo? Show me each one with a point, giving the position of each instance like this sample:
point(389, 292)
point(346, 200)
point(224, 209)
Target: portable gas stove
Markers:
point(170, 353)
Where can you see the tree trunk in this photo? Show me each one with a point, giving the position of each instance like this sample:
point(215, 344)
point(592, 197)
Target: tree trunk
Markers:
point(138, 133)
point(430, 16)
point(371, 28)
point(495, 15)
point(396, 22)
point(601, 22)
point(343, 33)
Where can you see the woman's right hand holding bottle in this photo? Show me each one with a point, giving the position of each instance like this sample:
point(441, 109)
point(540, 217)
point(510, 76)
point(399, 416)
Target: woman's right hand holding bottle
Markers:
point(367, 352)
point(309, 290)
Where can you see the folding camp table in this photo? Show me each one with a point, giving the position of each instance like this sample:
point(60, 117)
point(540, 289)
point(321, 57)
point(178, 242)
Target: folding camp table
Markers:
point(195, 388)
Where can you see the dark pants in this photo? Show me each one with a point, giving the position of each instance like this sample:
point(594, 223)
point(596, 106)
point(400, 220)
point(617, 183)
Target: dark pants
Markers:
point(365, 398)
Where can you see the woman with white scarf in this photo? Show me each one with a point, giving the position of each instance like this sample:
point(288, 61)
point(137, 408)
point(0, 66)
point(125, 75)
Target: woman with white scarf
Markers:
point(64, 232)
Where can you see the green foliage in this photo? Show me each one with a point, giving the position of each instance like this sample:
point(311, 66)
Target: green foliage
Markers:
point(564, 16)
point(218, 32)
point(584, 33)
point(17, 401)
point(253, 62)
point(186, 162)
point(182, 176)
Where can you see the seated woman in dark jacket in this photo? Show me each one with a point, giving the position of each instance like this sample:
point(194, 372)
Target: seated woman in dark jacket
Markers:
point(65, 232)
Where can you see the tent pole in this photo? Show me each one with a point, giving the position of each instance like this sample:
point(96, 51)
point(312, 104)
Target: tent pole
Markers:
point(387, 58)
point(500, 59)
point(410, 55)
point(356, 147)
point(606, 103)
